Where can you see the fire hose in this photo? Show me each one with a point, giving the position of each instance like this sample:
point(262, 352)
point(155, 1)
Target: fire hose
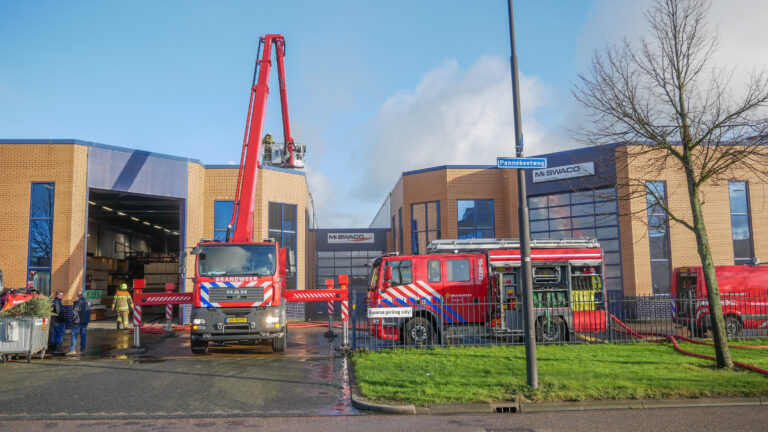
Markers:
point(673, 339)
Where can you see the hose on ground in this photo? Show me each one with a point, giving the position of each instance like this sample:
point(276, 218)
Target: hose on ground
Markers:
point(673, 339)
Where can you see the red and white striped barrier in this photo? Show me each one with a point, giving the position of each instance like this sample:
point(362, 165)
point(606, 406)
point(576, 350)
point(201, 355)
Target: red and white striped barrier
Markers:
point(344, 311)
point(168, 312)
point(137, 315)
point(330, 308)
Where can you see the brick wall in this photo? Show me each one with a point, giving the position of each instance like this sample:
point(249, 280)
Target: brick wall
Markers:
point(66, 166)
point(450, 185)
point(716, 207)
point(274, 186)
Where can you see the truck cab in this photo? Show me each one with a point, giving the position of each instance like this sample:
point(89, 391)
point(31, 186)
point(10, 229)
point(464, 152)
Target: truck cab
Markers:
point(238, 294)
point(743, 290)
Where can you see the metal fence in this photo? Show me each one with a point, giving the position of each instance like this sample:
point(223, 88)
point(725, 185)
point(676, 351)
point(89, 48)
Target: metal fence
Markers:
point(466, 322)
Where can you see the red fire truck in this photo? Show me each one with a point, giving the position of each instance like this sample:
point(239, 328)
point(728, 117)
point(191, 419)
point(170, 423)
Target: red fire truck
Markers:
point(743, 297)
point(466, 288)
point(239, 291)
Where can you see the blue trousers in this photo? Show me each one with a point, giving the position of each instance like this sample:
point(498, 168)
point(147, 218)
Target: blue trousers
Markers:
point(78, 330)
point(57, 333)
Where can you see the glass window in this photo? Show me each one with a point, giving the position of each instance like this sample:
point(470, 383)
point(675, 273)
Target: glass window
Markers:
point(559, 224)
point(434, 270)
point(559, 199)
point(539, 226)
point(740, 228)
point(606, 220)
point(222, 215)
point(425, 225)
point(582, 197)
point(40, 247)
point(612, 258)
point(605, 207)
point(583, 209)
point(658, 236)
point(534, 214)
point(458, 270)
point(607, 233)
point(401, 272)
point(605, 194)
point(536, 202)
point(282, 228)
point(609, 245)
point(583, 222)
point(584, 233)
point(559, 212)
point(475, 219)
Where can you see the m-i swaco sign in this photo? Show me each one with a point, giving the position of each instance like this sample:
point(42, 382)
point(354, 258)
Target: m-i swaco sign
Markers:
point(350, 238)
point(564, 172)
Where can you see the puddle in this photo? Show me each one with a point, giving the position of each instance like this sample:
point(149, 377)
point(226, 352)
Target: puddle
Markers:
point(146, 360)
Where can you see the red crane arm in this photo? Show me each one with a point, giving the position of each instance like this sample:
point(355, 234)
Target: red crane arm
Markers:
point(245, 195)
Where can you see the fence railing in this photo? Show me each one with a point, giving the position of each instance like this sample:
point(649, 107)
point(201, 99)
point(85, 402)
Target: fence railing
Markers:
point(464, 321)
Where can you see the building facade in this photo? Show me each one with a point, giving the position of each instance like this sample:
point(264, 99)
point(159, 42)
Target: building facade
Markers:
point(68, 205)
point(604, 192)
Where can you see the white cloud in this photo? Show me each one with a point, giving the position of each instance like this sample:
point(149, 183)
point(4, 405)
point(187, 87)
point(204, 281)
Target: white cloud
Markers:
point(327, 207)
point(453, 117)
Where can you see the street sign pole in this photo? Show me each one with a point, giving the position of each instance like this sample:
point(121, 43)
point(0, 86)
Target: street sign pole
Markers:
point(525, 233)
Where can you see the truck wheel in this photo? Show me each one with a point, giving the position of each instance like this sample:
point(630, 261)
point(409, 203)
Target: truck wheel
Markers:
point(199, 346)
point(550, 330)
point(732, 326)
point(278, 343)
point(419, 331)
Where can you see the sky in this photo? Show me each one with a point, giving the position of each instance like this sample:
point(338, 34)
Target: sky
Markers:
point(375, 88)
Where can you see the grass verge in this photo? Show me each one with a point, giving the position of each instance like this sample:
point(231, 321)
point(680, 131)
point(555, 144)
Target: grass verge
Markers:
point(566, 373)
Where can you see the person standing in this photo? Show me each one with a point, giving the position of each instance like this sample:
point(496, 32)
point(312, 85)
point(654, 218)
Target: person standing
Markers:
point(81, 316)
point(57, 322)
point(124, 304)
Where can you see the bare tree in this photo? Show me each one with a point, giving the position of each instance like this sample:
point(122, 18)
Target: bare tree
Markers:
point(663, 95)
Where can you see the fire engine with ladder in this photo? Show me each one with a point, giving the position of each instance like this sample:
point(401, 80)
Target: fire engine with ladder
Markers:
point(471, 288)
point(240, 285)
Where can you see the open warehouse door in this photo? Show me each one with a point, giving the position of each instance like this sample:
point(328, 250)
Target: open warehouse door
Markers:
point(131, 236)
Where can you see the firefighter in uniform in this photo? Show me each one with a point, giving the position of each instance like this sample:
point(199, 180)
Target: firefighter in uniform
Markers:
point(124, 304)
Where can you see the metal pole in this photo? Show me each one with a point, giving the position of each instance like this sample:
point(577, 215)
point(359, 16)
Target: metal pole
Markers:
point(525, 232)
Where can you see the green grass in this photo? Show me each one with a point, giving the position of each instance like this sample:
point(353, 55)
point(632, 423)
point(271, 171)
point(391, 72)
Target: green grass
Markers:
point(566, 373)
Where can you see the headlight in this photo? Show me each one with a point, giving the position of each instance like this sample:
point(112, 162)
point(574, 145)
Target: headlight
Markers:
point(198, 321)
point(273, 320)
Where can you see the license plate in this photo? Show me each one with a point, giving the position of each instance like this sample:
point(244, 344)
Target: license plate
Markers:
point(237, 320)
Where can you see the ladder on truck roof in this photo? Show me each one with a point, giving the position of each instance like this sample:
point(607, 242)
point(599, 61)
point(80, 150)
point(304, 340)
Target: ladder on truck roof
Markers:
point(474, 245)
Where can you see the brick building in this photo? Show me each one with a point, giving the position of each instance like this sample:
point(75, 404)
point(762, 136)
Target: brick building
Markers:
point(588, 192)
point(71, 211)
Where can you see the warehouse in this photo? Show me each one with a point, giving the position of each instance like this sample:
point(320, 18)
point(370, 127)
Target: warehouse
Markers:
point(79, 214)
point(583, 193)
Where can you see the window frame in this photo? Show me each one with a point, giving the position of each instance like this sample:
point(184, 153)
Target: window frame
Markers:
point(32, 219)
point(222, 230)
point(653, 211)
point(475, 228)
point(294, 277)
point(748, 215)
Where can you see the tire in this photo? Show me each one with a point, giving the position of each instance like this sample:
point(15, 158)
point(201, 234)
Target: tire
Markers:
point(732, 327)
point(278, 343)
point(550, 331)
point(199, 346)
point(419, 331)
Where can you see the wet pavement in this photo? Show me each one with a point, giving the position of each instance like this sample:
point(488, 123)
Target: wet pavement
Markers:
point(310, 378)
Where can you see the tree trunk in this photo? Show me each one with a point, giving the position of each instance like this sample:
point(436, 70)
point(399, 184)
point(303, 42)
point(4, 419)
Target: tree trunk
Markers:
point(722, 352)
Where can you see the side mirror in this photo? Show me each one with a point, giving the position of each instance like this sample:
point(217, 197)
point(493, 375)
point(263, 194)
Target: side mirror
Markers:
point(284, 262)
point(386, 285)
point(195, 251)
point(388, 273)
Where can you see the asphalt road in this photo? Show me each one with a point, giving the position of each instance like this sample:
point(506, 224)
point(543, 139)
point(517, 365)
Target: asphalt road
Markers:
point(309, 379)
point(677, 419)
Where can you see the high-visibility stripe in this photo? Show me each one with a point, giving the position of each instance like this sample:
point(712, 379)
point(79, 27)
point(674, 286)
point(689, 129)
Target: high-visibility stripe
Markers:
point(137, 316)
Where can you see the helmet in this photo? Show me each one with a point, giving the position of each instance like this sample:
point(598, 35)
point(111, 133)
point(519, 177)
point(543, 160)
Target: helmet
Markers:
point(123, 286)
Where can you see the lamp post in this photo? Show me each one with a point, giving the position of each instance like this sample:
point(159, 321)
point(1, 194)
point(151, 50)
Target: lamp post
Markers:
point(525, 232)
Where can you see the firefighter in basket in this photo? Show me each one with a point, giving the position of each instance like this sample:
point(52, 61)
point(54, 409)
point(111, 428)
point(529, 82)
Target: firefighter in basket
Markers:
point(124, 304)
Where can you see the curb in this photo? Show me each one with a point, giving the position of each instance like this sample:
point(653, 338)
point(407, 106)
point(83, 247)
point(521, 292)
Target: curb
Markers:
point(359, 402)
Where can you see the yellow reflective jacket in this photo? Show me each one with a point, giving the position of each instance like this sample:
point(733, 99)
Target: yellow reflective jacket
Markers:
point(123, 301)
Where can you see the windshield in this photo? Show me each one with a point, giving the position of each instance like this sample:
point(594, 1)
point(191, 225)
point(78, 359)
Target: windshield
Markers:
point(374, 276)
point(237, 260)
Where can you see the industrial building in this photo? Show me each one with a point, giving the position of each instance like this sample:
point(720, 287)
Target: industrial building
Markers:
point(85, 215)
point(78, 215)
point(585, 192)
